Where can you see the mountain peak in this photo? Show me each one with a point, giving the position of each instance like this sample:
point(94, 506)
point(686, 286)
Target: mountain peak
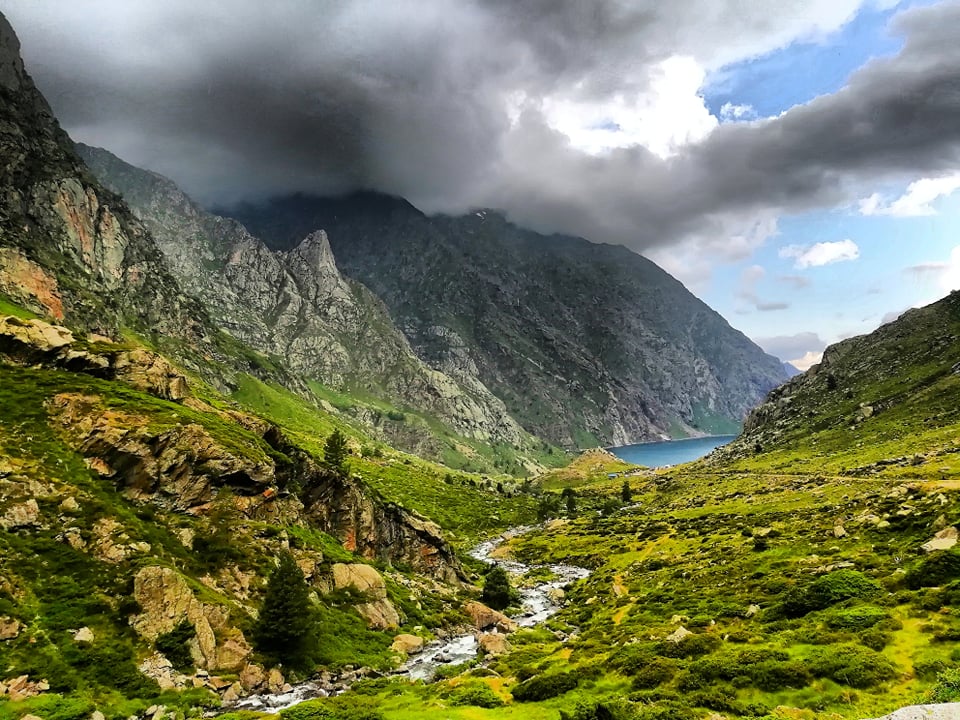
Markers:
point(314, 250)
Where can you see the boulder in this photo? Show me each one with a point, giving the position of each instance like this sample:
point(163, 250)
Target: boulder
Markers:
point(679, 635)
point(752, 610)
point(484, 618)
point(494, 644)
point(379, 614)
point(232, 693)
point(275, 681)
point(166, 599)
point(9, 628)
point(556, 595)
point(361, 578)
point(83, 635)
point(943, 540)
point(252, 677)
point(70, 504)
point(406, 643)
point(22, 515)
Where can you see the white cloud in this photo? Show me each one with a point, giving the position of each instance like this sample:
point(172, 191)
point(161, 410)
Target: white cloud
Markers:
point(669, 114)
point(809, 358)
point(946, 272)
point(821, 253)
point(732, 113)
point(916, 201)
point(789, 346)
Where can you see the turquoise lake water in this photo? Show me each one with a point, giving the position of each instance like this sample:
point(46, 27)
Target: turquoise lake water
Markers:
point(672, 452)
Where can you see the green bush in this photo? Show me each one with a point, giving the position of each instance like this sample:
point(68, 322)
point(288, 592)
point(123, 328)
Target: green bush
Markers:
point(655, 673)
point(175, 648)
point(938, 569)
point(543, 687)
point(947, 688)
point(690, 646)
point(344, 707)
point(478, 694)
point(53, 707)
point(828, 590)
point(852, 665)
point(856, 618)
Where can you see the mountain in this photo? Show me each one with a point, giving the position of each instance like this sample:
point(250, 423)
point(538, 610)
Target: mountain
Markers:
point(296, 306)
point(869, 403)
point(586, 344)
point(790, 370)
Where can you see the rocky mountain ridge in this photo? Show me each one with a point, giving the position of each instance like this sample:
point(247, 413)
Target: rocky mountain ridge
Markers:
point(295, 305)
point(586, 344)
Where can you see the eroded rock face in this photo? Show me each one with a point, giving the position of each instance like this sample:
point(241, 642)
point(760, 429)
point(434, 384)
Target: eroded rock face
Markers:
point(378, 611)
point(376, 530)
point(166, 599)
point(297, 305)
point(31, 342)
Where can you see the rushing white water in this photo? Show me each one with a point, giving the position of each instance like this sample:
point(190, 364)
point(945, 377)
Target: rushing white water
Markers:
point(537, 604)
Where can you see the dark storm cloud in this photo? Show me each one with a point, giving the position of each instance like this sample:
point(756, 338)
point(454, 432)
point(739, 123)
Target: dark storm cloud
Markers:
point(440, 101)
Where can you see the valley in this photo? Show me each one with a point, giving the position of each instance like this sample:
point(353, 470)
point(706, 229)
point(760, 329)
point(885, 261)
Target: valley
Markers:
point(312, 457)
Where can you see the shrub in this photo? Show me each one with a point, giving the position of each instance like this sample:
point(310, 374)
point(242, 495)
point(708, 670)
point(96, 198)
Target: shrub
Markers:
point(543, 687)
point(175, 648)
point(947, 688)
point(478, 694)
point(852, 665)
point(690, 646)
point(938, 569)
point(657, 672)
point(345, 707)
point(828, 590)
point(856, 618)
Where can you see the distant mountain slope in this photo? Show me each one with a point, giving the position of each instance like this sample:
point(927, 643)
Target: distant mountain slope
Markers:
point(879, 400)
point(791, 370)
point(295, 305)
point(586, 344)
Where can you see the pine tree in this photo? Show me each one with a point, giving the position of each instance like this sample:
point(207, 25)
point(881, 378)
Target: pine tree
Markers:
point(335, 453)
point(625, 494)
point(570, 496)
point(285, 629)
point(497, 592)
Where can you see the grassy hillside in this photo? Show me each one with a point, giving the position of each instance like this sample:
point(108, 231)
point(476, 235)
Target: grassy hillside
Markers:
point(786, 577)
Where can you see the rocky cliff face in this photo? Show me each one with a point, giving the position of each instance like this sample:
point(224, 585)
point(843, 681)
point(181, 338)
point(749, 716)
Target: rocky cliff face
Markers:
point(295, 305)
point(584, 343)
point(69, 248)
point(182, 467)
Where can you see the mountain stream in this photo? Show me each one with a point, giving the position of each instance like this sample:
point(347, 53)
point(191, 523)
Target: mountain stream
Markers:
point(537, 604)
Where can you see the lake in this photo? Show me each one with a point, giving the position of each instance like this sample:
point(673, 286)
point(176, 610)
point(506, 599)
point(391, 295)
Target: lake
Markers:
point(671, 452)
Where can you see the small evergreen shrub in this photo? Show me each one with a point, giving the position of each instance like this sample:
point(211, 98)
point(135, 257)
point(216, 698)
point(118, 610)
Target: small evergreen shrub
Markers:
point(856, 618)
point(543, 687)
point(477, 694)
point(828, 590)
point(938, 569)
point(175, 648)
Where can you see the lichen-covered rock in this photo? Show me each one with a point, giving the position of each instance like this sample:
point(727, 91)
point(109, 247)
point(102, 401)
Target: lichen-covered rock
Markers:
point(21, 515)
point(485, 618)
point(405, 643)
point(494, 644)
point(166, 598)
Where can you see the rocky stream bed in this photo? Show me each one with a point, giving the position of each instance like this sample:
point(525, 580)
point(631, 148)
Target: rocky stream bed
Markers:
point(539, 601)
